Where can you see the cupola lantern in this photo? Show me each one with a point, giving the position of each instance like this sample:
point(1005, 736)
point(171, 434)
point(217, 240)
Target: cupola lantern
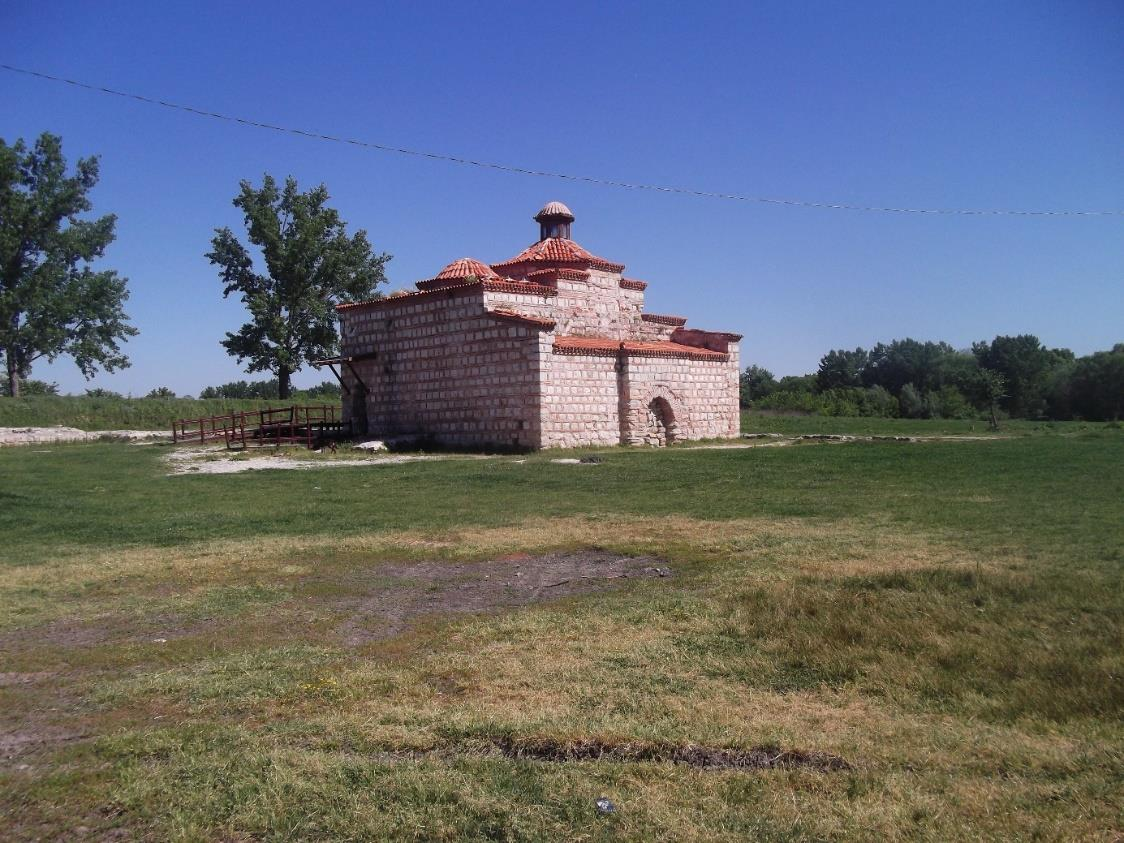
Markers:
point(554, 221)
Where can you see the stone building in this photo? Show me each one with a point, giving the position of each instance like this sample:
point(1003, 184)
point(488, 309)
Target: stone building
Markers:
point(551, 348)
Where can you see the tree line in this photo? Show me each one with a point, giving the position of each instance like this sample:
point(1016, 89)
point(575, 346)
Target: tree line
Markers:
point(266, 390)
point(1012, 376)
point(297, 264)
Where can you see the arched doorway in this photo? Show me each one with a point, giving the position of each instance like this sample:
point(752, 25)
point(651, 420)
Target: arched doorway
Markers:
point(661, 428)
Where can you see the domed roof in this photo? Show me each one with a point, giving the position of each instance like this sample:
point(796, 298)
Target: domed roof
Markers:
point(556, 250)
point(463, 268)
point(554, 209)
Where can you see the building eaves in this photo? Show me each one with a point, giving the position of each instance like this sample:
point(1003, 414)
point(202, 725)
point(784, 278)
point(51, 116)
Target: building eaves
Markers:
point(607, 347)
point(522, 318)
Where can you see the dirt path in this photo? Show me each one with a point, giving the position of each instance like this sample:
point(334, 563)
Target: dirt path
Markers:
point(219, 460)
point(57, 435)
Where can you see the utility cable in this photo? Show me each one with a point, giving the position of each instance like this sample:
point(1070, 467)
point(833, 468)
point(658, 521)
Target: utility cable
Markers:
point(437, 156)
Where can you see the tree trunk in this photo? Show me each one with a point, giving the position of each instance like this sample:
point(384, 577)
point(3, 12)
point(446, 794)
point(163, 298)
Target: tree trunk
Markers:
point(13, 373)
point(284, 389)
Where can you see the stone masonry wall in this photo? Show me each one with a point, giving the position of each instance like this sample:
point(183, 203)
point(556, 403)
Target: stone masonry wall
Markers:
point(580, 399)
point(596, 306)
point(447, 369)
point(607, 399)
point(702, 403)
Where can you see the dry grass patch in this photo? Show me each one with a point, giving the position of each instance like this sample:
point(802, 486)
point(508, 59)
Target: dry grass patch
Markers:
point(966, 696)
point(108, 580)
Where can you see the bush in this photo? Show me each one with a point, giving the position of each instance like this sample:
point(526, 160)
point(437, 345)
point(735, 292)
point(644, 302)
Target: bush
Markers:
point(266, 390)
point(31, 387)
point(949, 403)
point(326, 389)
point(879, 403)
point(789, 401)
point(911, 404)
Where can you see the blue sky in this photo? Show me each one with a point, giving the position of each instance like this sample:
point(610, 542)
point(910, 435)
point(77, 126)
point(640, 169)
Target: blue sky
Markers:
point(943, 105)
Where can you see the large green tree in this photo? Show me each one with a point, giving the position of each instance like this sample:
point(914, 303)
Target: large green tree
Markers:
point(841, 368)
point(892, 365)
point(52, 302)
point(1024, 363)
point(1098, 385)
point(311, 265)
point(756, 382)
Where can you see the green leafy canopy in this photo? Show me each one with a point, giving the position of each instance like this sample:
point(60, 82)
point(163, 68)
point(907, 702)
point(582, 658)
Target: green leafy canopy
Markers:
point(311, 265)
point(51, 301)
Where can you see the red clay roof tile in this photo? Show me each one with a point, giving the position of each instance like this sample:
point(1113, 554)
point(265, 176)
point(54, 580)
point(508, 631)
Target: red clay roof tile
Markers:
point(559, 250)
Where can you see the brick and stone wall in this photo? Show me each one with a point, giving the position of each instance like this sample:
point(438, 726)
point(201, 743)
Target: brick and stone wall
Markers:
point(607, 399)
point(447, 369)
point(580, 399)
point(696, 394)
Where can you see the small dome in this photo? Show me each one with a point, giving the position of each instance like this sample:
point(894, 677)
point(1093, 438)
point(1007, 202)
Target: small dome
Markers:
point(464, 268)
point(554, 209)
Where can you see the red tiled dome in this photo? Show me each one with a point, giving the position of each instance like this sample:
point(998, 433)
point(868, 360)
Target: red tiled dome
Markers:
point(559, 250)
point(464, 268)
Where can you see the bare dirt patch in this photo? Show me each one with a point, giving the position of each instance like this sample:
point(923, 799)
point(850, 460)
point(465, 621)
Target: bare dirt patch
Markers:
point(10, 679)
point(376, 602)
point(399, 594)
point(17, 742)
point(68, 633)
point(220, 460)
point(693, 755)
point(576, 750)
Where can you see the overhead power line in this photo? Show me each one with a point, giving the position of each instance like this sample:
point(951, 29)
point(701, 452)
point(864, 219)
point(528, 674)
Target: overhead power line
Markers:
point(453, 159)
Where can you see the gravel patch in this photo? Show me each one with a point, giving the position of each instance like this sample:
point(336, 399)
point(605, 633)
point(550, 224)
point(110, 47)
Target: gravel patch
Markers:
point(53, 435)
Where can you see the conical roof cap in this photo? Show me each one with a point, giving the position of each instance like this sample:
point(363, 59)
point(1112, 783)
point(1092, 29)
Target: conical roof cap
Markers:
point(554, 210)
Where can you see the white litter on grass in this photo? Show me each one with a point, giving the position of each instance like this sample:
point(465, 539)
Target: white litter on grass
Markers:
point(373, 445)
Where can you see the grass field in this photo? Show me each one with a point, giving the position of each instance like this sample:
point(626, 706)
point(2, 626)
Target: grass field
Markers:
point(791, 424)
point(89, 413)
point(201, 657)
